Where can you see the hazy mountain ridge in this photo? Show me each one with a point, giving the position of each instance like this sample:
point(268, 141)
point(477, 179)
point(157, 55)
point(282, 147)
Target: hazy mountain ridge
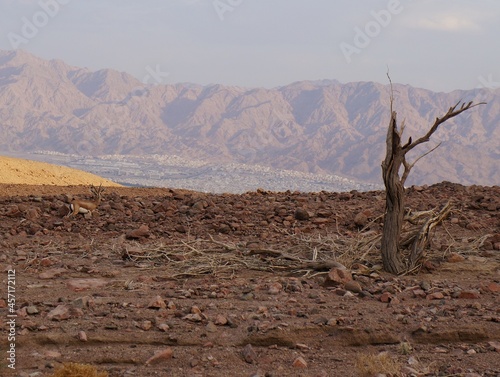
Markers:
point(318, 127)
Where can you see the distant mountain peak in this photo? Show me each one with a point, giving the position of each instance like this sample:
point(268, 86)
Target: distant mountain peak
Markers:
point(318, 126)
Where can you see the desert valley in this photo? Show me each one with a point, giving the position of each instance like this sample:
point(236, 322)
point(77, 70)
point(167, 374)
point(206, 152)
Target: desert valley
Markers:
point(170, 282)
point(237, 231)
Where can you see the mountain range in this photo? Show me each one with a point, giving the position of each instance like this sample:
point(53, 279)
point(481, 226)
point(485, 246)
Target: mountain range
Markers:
point(321, 127)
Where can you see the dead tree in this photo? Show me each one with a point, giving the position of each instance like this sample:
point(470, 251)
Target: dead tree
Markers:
point(394, 160)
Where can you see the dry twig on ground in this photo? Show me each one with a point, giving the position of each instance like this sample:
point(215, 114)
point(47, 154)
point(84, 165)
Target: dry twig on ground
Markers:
point(199, 257)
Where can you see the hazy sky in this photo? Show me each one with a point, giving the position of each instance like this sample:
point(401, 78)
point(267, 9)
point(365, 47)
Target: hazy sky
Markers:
point(436, 44)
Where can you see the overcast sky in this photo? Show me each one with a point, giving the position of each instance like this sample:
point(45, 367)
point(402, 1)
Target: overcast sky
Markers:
point(436, 44)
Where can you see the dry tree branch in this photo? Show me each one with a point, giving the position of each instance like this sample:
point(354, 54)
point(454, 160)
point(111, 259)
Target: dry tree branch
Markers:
point(422, 237)
point(304, 255)
point(452, 112)
point(413, 217)
point(225, 246)
point(391, 98)
point(409, 166)
point(319, 266)
point(274, 254)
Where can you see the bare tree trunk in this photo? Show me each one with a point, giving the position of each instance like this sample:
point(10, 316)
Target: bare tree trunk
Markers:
point(394, 199)
point(395, 159)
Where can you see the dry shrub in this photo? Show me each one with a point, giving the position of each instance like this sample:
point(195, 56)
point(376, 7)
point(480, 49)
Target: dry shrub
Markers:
point(306, 255)
point(78, 370)
point(383, 363)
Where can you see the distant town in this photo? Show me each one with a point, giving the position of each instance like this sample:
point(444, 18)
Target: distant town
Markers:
point(176, 172)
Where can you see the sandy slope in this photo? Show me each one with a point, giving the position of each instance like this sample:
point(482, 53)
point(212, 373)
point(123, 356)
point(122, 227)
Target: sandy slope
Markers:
point(19, 171)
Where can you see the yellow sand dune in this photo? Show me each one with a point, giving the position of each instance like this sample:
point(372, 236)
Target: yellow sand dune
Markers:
point(18, 171)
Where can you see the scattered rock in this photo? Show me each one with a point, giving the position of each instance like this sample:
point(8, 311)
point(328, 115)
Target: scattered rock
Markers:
point(293, 285)
point(332, 322)
point(32, 309)
point(180, 228)
point(470, 294)
point(425, 285)
point(336, 277)
point(47, 262)
point(160, 356)
point(435, 296)
point(82, 336)
point(385, 297)
point(275, 288)
point(23, 313)
point(361, 219)
point(157, 303)
point(32, 214)
point(193, 317)
point(195, 310)
point(494, 345)
point(299, 362)
point(301, 214)
point(345, 196)
point(53, 273)
point(223, 229)
point(63, 312)
point(455, 258)
point(249, 355)
point(163, 327)
point(302, 346)
point(320, 221)
point(492, 287)
point(419, 293)
point(220, 320)
point(84, 302)
point(84, 284)
point(141, 232)
point(353, 286)
point(211, 327)
point(52, 354)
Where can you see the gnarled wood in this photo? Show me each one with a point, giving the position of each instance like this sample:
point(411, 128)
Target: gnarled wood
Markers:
point(394, 191)
point(394, 184)
point(422, 239)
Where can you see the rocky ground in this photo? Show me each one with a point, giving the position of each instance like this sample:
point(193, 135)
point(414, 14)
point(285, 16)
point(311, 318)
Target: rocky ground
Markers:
point(163, 282)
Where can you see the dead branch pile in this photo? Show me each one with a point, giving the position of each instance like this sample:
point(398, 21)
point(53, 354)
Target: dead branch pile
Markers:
point(209, 256)
point(416, 234)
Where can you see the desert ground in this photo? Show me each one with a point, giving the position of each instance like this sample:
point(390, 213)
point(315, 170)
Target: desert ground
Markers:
point(164, 282)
